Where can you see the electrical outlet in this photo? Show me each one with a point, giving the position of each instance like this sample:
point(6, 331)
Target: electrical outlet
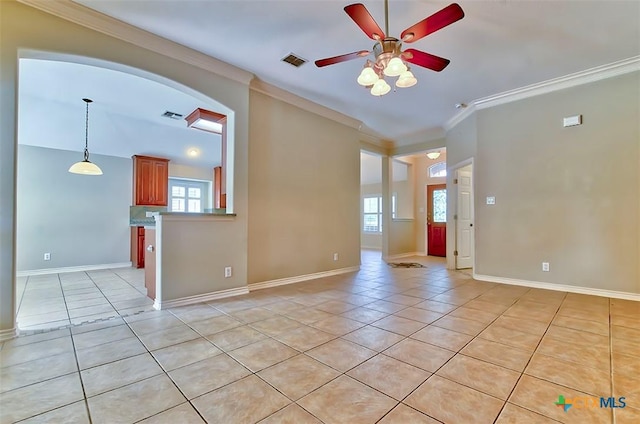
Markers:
point(227, 272)
point(47, 256)
point(545, 266)
point(335, 256)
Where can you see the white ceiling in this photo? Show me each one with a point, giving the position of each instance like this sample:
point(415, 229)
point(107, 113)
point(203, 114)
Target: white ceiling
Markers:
point(124, 118)
point(498, 46)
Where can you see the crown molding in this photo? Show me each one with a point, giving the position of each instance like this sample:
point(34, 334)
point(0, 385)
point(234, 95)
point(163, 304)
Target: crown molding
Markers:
point(598, 73)
point(583, 77)
point(287, 97)
point(89, 18)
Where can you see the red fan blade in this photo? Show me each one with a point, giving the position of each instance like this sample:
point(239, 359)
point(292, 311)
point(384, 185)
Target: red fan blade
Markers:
point(365, 21)
point(342, 58)
point(425, 60)
point(433, 23)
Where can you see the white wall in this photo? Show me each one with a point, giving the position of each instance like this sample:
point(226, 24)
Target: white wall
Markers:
point(81, 220)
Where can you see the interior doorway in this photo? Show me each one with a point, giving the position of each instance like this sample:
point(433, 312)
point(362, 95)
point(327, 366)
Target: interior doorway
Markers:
point(464, 222)
point(437, 220)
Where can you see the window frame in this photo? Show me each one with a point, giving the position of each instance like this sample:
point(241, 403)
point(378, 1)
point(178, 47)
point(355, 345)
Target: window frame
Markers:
point(187, 184)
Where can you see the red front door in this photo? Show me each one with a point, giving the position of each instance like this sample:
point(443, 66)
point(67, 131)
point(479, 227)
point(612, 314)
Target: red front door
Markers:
point(437, 220)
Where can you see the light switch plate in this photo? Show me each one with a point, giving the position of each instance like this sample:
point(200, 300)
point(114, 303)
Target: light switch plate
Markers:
point(572, 121)
point(491, 200)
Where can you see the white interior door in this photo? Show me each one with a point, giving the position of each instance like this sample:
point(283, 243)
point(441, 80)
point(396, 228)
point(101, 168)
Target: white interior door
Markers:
point(464, 227)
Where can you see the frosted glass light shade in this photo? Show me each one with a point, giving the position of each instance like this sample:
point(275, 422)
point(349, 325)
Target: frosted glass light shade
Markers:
point(85, 168)
point(380, 88)
point(367, 77)
point(395, 67)
point(433, 155)
point(406, 80)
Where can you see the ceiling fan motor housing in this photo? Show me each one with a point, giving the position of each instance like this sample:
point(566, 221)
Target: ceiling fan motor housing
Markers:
point(385, 50)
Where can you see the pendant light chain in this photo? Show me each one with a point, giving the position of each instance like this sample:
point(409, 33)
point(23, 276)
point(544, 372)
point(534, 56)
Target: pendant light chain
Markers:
point(86, 130)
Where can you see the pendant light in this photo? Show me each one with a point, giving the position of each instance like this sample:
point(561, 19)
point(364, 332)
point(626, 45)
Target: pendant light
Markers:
point(85, 167)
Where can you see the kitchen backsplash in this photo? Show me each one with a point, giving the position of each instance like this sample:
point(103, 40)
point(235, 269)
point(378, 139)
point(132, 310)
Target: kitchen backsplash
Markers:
point(138, 215)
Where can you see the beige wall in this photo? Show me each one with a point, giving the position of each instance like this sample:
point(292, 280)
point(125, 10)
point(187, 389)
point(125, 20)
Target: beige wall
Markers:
point(568, 196)
point(23, 27)
point(304, 186)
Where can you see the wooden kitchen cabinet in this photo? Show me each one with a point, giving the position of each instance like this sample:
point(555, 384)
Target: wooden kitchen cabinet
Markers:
point(137, 246)
point(150, 180)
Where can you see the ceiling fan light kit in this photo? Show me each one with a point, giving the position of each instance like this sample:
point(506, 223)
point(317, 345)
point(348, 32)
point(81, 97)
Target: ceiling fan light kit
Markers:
point(390, 60)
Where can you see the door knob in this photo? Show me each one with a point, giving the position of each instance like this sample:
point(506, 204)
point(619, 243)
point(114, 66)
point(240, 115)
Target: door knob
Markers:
point(470, 225)
point(150, 248)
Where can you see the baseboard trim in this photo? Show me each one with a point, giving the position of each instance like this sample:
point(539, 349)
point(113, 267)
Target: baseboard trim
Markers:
point(301, 278)
point(8, 334)
point(558, 287)
point(400, 256)
point(200, 298)
point(72, 269)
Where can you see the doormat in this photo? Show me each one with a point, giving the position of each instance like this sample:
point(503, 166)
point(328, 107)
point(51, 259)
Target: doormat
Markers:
point(406, 265)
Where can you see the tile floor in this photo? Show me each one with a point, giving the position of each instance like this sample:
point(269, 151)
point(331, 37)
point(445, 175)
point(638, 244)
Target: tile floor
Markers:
point(382, 345)
point(59, 300)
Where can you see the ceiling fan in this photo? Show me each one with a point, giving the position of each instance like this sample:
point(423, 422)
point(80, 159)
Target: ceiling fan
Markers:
point(390, 59)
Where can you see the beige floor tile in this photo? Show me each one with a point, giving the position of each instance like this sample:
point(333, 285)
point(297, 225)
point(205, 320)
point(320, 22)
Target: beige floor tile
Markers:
point(537, 328)
point(76, 413)
point(513, 414)
point(404, 299)
point(304, 338)
point(298, 376)
point(335, 306)
point(35, 338)
point(284, 306)
point(390, 376)
point(594, 381)
point(119, 373)
point(253, 314)
point(629, 308)
point(399, 325)
point(337, 325)
point(308, 315)
point(364, 315)
point(589, 356)
point(439, 307)
point(602, 317)
point(345, 400)
point(515, 338)
point(181, 414)
point(214, 325)
point(482, 305)
point(497, 353)
point(25, 353)
point(235, 338)
point(450, 402)
point(35, 371)
point(373, 338)
point(262, 354)
point(626, 415)
point(460, 325)
point(341, 355)
point(482, 376)
point(186, 353)
point(150, 322)
point(627, 344)
point(168, 337)
point(244, 401)
point(276, 325)
point(571, 336)
point(292, 414)
point(403, 414)
point(627, 385)
point(109, 352)
point(601, 328)
point(50, 394)
point(135, 402)
point(625, 321)
point(442, 337)
point(419, 354)
point(385, 306)
point(421, 315)
point(541, 396)
point(533, 311)
point(207, 375)
point(195, 312)
point(484, 317)
point(625, 363)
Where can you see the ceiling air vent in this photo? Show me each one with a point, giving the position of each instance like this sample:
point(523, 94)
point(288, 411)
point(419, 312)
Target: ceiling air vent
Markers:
point(294, 60)
point(172, 115)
